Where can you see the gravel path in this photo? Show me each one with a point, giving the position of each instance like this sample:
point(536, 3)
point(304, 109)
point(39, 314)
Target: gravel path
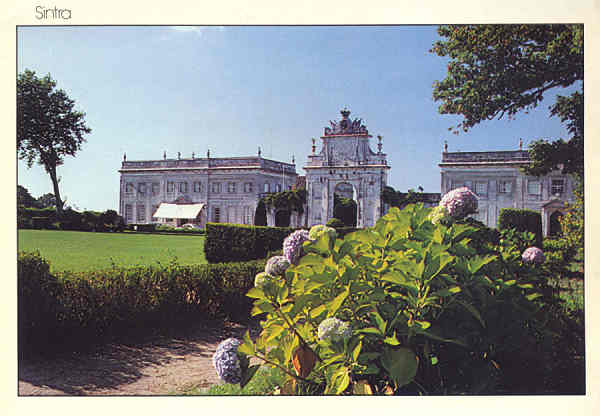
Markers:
point(156, 366)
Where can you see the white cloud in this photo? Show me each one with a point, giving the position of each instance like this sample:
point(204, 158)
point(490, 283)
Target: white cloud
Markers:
point(198, 30)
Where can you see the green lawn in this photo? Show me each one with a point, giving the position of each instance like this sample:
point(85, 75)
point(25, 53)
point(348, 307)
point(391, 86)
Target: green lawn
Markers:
point(79, 251)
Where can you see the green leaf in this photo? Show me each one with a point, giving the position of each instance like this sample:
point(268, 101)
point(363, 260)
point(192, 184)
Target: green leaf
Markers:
point(335, 304)
point(370, 330)
point(423, 324)
point(356, 351)
point(401, 364)
point(314, 313)
point(447, 292)
point(256, 293)
point(533, 296)
point(392, 340)
point(248, 374)
point(247, 346)
point(476, 263)
point(473, 312)
point(379, 321)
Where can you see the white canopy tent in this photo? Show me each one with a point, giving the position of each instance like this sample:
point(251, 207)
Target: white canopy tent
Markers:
point(179, 211)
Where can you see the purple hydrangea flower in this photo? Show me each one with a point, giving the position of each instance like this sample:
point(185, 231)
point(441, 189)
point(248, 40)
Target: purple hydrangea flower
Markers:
point(332, 329)
point(227, 362)
point(459, 203)
point(277, 265)
point(292, 245)
point(533, 255)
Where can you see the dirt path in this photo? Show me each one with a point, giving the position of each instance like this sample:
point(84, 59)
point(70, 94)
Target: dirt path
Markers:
point(156, 366)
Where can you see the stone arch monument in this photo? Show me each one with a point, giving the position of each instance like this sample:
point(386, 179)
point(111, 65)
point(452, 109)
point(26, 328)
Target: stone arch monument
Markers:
point(345, 158)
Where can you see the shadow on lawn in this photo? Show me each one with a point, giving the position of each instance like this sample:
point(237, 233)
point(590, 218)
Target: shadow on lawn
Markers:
point(104, 369)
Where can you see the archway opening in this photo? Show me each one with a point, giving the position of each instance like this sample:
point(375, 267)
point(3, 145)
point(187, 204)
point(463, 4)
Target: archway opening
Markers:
point(555, 228)
point(344, 204)
point(282, 218)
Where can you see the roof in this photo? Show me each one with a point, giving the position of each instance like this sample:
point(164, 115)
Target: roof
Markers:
point(178, 211)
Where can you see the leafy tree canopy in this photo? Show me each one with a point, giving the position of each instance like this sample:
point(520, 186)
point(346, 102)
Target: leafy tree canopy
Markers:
point(47, 200)
point(24, 198)
point(48, 127)
point(500, 70)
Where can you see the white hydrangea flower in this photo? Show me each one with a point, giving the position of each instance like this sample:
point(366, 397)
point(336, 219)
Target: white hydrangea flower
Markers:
point(333, 329)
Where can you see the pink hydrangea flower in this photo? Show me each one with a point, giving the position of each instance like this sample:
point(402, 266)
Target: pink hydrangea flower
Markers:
point(533, 255)
point(459, 203)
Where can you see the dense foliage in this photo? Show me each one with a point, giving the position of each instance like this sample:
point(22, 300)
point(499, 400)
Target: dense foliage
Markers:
point(521, 220)
point(48, 127)
point(432, 309)
point(399, 199)
point(47, 218)
point(233, 242)
point(286, 200)
point(573, 226)
point(497, 70)
point(57, 312)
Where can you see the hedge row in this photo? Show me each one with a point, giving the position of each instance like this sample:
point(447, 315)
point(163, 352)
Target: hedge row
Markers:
point(233, 242)
point(58, 311)
point(46, 218)
point(521, 220)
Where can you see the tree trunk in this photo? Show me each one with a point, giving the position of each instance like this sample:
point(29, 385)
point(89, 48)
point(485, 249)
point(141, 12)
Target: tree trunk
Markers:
point(59, 203)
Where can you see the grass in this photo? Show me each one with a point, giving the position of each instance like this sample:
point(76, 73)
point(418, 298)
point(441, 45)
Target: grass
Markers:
point(264, 382)
point(85, 251)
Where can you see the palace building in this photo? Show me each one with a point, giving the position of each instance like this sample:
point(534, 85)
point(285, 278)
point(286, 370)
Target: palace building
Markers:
point(199, 190)
point(496, 179)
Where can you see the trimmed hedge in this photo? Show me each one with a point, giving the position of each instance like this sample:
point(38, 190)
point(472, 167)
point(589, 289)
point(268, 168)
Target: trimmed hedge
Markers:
point(521, 220)
point(61, 311)
point(45, 218)
point(234, 242)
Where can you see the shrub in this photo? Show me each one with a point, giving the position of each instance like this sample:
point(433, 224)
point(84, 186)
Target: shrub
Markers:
point(431, 311)
point(233, 242)
point(335, 223)
point(521, 220)
point(71, 308)
point(37, 292)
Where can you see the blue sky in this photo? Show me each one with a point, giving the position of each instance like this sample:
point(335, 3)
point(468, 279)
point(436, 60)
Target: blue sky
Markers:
point(230, 89)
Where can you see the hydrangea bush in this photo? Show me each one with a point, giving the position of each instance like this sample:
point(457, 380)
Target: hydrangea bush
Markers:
point(404, 307)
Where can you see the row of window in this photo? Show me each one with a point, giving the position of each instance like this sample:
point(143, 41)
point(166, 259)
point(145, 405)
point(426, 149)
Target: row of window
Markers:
point(534, 187)
point(216, 214)
point(182, 187)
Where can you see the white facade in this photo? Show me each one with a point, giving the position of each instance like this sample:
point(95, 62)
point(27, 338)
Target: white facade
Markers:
point(498, 183)
point(348, 166)
point(229, 188)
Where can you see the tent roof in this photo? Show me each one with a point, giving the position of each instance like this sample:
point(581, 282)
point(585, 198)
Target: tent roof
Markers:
point(178, 211)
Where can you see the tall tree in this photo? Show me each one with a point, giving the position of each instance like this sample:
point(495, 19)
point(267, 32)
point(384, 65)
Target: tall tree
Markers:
point(498, 70)
point(48, 127)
